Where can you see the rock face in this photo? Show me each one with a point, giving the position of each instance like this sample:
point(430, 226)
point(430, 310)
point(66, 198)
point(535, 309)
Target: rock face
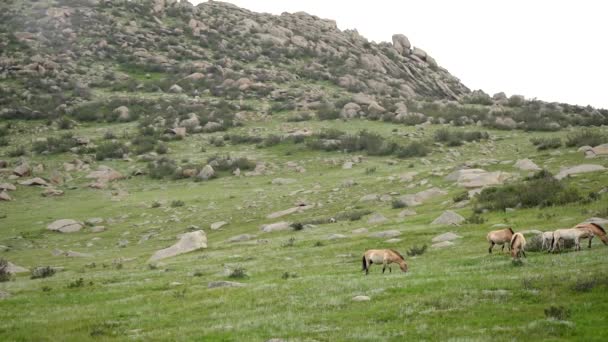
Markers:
point(448, 218)
point(477, 178)
point(65, 226)
point(527, 165)
point(401, 44)
point(583, 168)
point(188, 242)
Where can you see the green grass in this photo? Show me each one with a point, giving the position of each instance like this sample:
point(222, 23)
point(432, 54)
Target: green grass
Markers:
point(459, 292)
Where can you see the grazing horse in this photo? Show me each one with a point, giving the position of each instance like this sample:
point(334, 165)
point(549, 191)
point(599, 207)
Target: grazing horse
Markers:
point(500, 237)
point(547, 239)
point(573, 234)
point(597, 231)
point(518, 246)
point(384, 257)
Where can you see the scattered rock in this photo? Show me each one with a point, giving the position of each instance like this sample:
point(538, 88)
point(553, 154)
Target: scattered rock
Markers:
point(376, 218)
point(72, 254)
point(387, 234)
point(188, 242)
point(449, 236)
point(583, 168)
point(369, 198)
point(51, 192)
point(442, 244)
point(283, 181)
point(275, 227)
point(242, 237)
point(4, 196)
point(477, 178)
point(288, 211)
point(393, 240)
point(218, 225)
point(360, 231)
point(421, 197)
point(98, 229)
point(23, 170)
point(527, 165)
point(361, 299)
point(93, 221)
point(7, 187)
point(206, 173)
point(448, 218)
point(224, 283)
point(13, 269)
point(336, 237)
point(4, 295)
point(406, 212)
point(34, 181)
point(65, 226)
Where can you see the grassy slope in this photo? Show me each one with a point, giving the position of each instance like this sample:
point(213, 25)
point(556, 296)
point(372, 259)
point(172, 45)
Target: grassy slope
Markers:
point(459, 292)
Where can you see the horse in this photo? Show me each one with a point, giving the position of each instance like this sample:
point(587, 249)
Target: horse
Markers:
point(547, 240)
point(575, 234)
point(518, 246)
point(597, 231)
point(384, 257)
point(499, 237)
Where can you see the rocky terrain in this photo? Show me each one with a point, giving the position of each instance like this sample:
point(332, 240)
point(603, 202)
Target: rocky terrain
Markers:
point(180, 172)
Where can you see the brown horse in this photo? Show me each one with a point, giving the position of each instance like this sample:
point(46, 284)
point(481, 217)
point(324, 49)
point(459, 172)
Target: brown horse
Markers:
point(518, 245)
point(384, 257)
point(596, 229)
point(500, 237)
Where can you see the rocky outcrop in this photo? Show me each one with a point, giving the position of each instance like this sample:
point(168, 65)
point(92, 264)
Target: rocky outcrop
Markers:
point(65, 226)
point(188, 242)
point(575, 170)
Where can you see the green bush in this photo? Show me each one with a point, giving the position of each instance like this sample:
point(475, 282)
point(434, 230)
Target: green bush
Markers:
point(42, 272)
point(415, 250)
point(163, 167)
point(413, 149)
point(55, 145)
point(456, 138)
point(586, 137)
point(111, 149)
point(17, 151)
point(5, 275)
point(327, 111)
point(546, 143)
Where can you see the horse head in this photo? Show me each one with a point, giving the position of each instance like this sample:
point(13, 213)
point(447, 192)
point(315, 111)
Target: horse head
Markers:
point(403, 265)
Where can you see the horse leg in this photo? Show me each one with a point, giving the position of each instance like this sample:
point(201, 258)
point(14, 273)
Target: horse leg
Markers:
point(590, 238)
point(524, 253)
point(491, 246)
point(577, 244)
point(390, 270)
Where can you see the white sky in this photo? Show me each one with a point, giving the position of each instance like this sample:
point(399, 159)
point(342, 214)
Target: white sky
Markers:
point(552, 50)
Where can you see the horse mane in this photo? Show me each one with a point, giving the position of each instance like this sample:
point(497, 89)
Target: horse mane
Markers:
point(515, 237)
point(394, 251)
point(598, 227)
point(511, 229)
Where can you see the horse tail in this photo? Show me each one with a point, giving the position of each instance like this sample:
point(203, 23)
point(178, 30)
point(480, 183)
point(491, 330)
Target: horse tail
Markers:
point(598, 227)
point(513, 239)
point(364, 264)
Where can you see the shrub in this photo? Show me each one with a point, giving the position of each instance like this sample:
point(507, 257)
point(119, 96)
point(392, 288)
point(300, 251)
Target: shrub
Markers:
point(415, 250)
point(177, 203)
point(161, 149)
point(557, 312)
point(297, 226)
point(163, 167)
point(238, 273)
point(462, 196)
point(287, 275)
point(546, 143)
point(353, 215)
point(111, 149)
point(289, 243)
point(55, 145)
point(586, 137)
point(413, 149)
point(539, 190)
point(271, 140)
point(398, 204)
point(64, 123)
point(5, 275)
point(327, 111)
point(76, 283)
point(43, 272)
point(143, 144)
point(475, 219)
point(17, 151)
point(456, 138)
point(109, 135)
point(244, 139)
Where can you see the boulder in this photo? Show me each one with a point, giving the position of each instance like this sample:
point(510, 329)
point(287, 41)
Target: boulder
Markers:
point(600, 150)
point(105, 174)
point(223, 283)
point(283, 181)
point(350, 110)
point(206, 173)
point(477, 178)
point(123, 113)
point(37, 181)
point(336, 236)
point(376, 218)
point(13, 269)
point(449, 236)
point(360, 231)
point(361, 299)
point(4, 196)
point(242, 237)
point(527, 165)
point(406, 212)
point(22, 170)
point(188, 242)
point(583, 168)
point(176, 89)
point(288, 211)
point(218, 225)
point(448, 217)
point(51, 192)
point(387, 234)
point(412, 200)
point(369, 198)
point(7, 187)
point(442, 244)
point(401, 44)
point(275, 227)
point(65, 226)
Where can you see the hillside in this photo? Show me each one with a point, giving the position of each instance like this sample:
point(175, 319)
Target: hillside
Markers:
point(278, 149)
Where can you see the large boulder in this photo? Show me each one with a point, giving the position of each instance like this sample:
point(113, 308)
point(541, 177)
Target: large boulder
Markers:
point(13, 269)
point(188, 242)
point(583, 168)
point(7, 187)
point(23, 170)
point(526, 165)
point(105, 174)
point(449, 236)
point(412, 200)
point(65, 226)
point(448, 217)
point(122, 112)
point(275, 227)
point(4, 196)
point(477, 178)
point(401, 44)
point(350, 110)
point(34, 181)
point(206, 173)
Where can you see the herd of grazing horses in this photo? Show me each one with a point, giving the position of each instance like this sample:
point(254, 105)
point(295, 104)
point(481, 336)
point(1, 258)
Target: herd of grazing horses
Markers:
point(516, 243)
point(551, 241)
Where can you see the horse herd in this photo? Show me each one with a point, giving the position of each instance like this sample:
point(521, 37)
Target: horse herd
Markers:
point(516, 243)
